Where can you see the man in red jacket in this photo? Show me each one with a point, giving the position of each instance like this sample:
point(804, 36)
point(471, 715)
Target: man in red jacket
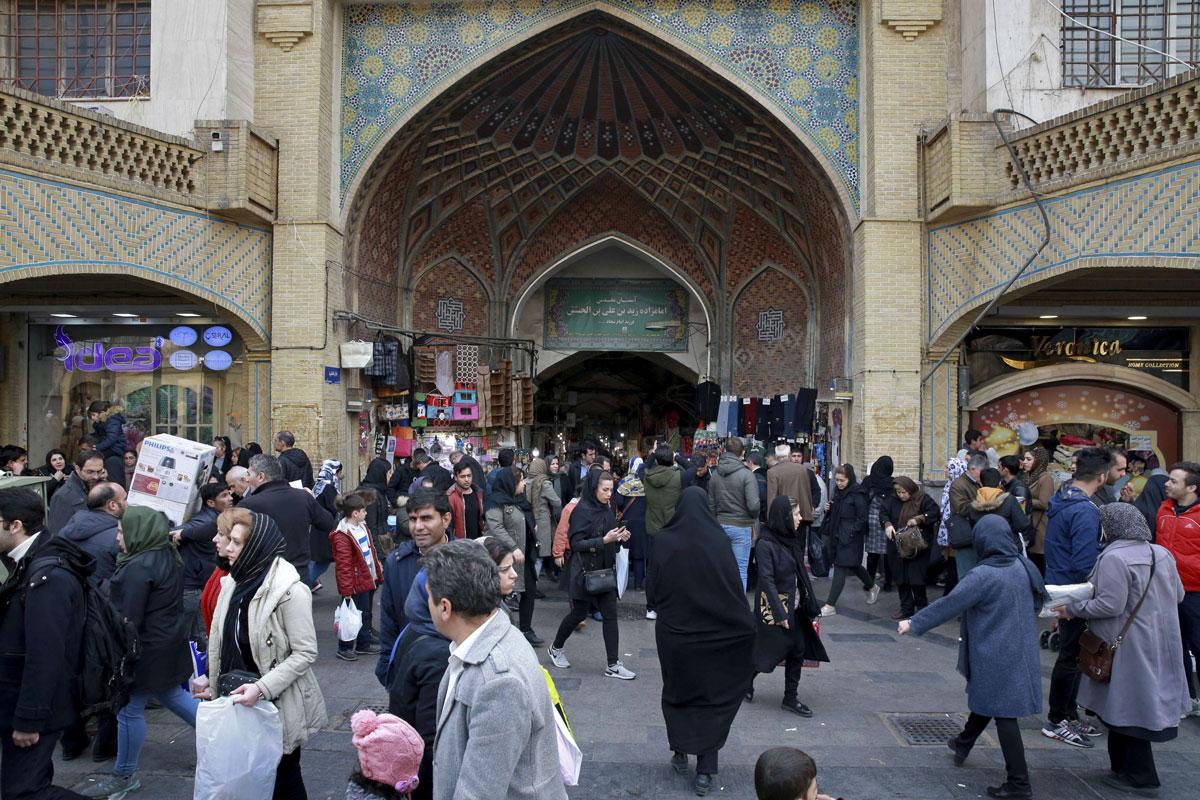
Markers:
point(1178, 530)
point(466, 502)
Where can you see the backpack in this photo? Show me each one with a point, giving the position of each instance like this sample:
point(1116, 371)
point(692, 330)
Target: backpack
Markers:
point(109, 649)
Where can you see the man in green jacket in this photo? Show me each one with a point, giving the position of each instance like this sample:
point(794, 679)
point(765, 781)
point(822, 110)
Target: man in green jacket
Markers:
point(663, 482)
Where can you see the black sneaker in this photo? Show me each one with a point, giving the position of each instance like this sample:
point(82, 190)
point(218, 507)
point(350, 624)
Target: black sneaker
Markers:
point(533, 638)
point(679, 763)
point(347, 655)
point(796, 707)
point(1006, 791)
point(959, 755)
point(703, 784)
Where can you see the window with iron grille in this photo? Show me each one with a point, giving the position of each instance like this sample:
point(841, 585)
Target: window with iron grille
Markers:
point(76, 48)
point(1095, 60)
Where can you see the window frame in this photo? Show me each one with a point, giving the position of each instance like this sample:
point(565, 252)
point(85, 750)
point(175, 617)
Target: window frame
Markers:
point(1091, 60)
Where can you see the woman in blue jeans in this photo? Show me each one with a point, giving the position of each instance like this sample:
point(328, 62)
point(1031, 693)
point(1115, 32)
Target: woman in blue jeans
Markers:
point(147, 587)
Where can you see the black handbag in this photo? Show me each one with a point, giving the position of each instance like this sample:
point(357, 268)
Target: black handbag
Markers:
point(235, 678)
point(959, 533)
point(600, 581)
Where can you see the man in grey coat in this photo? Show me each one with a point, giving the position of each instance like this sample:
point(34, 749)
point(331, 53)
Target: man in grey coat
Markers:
point(733, 498)
point(496, 736)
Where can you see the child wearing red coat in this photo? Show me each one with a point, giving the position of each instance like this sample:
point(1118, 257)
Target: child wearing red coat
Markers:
point(358, 571)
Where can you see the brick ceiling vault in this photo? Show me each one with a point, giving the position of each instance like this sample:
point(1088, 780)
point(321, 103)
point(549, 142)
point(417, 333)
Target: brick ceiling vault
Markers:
point(594, 125)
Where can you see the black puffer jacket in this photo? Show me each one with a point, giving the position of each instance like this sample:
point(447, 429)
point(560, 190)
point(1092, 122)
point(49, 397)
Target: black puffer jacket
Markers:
point(96, 534)
point(148, 589)
point(421, 662)
point(846, 525)
point(41, 632)
point(296, 467)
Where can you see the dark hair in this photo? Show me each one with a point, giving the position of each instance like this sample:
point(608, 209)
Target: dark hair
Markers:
point(1011, 463)
point(506, 457)
point(783, 773)
point(848, 471)
point(419, 451)
point(1091, 463)
point(972, 435)
point(91, 439)
point(104, 493)
point(98, 407)
point(462, 466)
point(350, 502)
point(51, 453)
point(755, 458)
point(1113, 452)
point(664, 456)
point(84, 456)
point(461, 572)
point(428, 498)
point(11, 452)
point(990, 478)
point(420, 458)
point(734, 446)
point(211, 491)
point(497, 550)
point(286, 438)
point(24, 505)
point(1193, 473)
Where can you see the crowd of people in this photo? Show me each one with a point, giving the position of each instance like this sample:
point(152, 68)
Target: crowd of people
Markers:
point(725, 554)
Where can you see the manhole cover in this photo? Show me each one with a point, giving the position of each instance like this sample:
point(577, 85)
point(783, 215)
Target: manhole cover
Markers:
point(378, 708)
point(924, 730)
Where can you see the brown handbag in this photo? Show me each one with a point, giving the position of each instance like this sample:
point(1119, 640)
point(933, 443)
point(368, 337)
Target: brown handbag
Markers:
point(1096, 655)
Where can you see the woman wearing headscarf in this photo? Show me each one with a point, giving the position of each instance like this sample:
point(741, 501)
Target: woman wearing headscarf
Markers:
point(375, 484)
point(248, 452)
point(147, 588)
point(1150, 500)
point(879, 492)
point(998, 602)
point(1148, 693)
point(846, 526)
point(1035, 461)
point(631, 507)
point(594, 536)
point(910, 507)
point(547, 505)
point(504, 507)
point(704, 633)
point(785, 615)
point(326, 489)
point(263, 626)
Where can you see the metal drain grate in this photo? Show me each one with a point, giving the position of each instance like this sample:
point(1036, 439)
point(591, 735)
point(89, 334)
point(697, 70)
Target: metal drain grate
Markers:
point(378, 708)
point(924, 730)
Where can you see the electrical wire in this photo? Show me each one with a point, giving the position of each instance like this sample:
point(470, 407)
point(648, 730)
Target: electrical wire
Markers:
point(1119, 38)
point(999, 63)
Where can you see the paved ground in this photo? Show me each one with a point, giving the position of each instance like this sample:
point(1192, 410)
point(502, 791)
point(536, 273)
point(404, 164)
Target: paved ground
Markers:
point(860, 757)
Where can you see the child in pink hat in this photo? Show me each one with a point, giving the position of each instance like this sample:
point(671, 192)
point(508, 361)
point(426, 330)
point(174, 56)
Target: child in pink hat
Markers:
point(389, 754)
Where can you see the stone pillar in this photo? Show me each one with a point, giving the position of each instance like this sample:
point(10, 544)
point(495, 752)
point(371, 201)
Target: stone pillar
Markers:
point(903, 87)
point(295, 54)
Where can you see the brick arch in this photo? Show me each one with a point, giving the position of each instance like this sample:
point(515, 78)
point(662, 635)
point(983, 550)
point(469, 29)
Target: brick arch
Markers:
point(464, 235)
point(451, 280)
point(606, 205)
point(790, 357)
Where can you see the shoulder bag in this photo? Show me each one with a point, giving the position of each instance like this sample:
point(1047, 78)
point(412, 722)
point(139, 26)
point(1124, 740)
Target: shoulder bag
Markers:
point(911, 542)
point(1096, 655)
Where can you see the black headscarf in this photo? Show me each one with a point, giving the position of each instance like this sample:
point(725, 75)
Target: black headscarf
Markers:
point(996, 547)
point(1151, 499)
point(705, 630)
point(247, 452)
point(504, 490)
point(782, 529)
point(879, 481)
point(377, 474)
point(263, 545)
point(590, 514)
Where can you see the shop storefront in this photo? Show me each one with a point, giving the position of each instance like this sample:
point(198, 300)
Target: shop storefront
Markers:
point(1065, 411)
point(184, 378)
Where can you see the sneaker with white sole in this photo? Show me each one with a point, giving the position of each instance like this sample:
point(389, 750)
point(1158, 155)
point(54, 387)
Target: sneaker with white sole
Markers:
point(558, 658)
point(651, 615)
point(873, 595)
point(1085, 728)
point(619, 672)
point(828, 610)
point(1065, 732)
point(113, 787)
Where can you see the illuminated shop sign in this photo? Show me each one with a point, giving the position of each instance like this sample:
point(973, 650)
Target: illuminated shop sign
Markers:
point(101, 357)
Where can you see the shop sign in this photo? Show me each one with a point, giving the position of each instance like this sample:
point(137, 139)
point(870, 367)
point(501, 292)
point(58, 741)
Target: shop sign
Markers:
point(95, 357)
point(585, 314)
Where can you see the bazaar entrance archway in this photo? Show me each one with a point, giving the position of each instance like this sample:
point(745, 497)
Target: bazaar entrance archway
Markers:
point(597, 130)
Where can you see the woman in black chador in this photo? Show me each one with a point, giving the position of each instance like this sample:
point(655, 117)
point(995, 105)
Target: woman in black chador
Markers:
point(786, 604)
point(704, 632)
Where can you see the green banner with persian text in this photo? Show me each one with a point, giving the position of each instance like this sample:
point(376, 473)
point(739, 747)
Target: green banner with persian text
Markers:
point(582, 314)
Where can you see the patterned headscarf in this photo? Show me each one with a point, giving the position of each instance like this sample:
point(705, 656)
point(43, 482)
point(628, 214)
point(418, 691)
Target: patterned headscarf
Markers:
point(1123, 521)
point(955, 468)
point(1041, 461)
point(327, 475)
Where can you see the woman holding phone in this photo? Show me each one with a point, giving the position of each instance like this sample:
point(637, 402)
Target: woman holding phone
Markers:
point(595, 538)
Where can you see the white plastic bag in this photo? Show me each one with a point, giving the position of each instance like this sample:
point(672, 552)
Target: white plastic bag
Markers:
point(1066, 593)
point(622, 571)
point(570, 758)
point(347, 621)
point(237, 750)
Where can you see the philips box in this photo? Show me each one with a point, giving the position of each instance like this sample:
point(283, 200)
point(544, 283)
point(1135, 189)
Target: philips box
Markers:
point(169, 474)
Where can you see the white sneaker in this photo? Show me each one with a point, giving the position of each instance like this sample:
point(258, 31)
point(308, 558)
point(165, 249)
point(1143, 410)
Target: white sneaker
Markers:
point(558, 658)
point(828, 610)
point(619, 672)
point(1065, 732)
point(651, 615)
point(873, 595)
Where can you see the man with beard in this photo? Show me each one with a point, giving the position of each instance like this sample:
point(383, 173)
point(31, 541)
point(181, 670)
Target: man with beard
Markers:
point(72, 496)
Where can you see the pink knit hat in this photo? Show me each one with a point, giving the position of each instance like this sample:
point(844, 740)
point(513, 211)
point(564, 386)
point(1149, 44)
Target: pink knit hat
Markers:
point(389, 750)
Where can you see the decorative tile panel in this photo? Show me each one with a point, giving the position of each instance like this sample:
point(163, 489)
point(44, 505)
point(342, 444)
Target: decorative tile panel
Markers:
point(802, 56)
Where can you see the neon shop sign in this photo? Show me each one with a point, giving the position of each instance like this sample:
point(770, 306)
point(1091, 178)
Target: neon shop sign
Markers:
point(95, 357)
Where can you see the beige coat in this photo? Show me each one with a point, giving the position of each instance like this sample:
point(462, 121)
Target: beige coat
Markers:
point(284, 644)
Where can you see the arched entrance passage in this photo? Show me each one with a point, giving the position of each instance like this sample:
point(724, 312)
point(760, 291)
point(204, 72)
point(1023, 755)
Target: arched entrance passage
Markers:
point(589, 130)
point(615, 398)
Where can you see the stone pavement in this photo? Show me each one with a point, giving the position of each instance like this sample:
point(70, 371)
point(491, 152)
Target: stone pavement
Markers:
point(860, 755)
